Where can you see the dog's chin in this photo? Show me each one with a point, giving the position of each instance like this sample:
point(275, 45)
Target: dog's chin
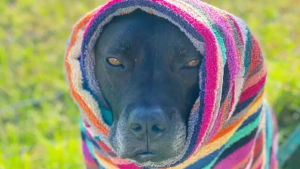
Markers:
point(159, 153)
point(148, 159)
point(152, 159)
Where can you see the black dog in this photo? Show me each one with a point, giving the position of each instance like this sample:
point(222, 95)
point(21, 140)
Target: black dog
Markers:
point(147, 70)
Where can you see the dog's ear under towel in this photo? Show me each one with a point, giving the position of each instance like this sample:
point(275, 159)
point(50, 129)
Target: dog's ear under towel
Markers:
point(230, 125)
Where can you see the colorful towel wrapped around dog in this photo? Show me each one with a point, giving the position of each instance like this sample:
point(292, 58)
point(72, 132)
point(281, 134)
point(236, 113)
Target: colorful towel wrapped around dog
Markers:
point(230, 125)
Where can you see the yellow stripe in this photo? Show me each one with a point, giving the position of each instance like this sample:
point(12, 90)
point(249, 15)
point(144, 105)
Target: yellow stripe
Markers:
point(209, 148)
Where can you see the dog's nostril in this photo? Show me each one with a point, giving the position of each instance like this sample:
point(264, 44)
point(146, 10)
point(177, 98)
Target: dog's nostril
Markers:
point(136, 127)
point(158, 128)
point(148, 122)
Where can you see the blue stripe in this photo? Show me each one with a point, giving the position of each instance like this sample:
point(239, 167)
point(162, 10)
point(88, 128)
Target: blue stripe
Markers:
point(243, 105)
point(225, 87)
point(199, 114)
point(250, 119)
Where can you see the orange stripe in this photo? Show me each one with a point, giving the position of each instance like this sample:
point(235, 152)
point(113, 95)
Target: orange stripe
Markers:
point(76, 29)
point(82, 104)
point(89, 113)
point(105, 159)
point(234, 125)
point(85, 108)
point(226, 130)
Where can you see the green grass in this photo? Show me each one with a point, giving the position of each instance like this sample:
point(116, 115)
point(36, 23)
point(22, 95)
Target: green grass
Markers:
point(33, 37)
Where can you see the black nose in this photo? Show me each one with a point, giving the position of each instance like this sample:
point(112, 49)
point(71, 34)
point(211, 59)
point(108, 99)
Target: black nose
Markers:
point(148, 122)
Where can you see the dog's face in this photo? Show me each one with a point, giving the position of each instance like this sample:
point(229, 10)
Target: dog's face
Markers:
point(147, 70)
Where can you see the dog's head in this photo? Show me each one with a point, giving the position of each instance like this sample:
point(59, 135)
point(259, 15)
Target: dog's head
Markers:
point(148, 72)
point(162, 87)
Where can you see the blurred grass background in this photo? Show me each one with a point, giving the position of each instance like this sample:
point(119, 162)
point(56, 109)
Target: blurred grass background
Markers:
point(38, 120)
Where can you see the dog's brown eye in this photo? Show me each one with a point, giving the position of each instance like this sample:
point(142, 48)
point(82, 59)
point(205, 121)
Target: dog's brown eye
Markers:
point(193, 63)
point(114, 62)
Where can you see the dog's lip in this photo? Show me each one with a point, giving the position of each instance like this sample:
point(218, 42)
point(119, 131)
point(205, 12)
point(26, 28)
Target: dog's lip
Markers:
point(145, 153)
point(144, 156)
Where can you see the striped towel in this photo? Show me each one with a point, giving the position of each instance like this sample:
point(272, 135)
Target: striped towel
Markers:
point(230, 125)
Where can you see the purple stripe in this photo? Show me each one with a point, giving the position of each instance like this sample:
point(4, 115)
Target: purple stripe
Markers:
point(86, 153)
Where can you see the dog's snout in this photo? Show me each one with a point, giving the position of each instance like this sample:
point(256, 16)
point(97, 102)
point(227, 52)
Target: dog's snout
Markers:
point(151, 123)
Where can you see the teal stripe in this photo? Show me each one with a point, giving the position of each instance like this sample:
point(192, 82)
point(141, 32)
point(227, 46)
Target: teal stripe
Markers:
point(245, 131)
point(237, 136)
point(269, 134)
point(247, 51)
point(107, 116)
point(215, 32)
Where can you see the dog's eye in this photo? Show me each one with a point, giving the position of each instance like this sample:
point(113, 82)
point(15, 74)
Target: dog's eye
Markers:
point(193, 63)
point(113, 62)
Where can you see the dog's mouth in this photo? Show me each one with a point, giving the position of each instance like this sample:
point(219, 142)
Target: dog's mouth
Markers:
point(144, 156)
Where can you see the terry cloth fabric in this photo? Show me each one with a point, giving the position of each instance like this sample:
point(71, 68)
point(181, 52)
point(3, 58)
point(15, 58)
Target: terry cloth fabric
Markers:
point(230, 125)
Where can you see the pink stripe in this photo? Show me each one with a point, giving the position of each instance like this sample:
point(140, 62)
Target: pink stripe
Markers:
point(273, 160)
point(231, 54)
point(104, 7)
point(211, 67)
point(216, 124)
point(260, 165)
point(252, 90)
point(248, 161)
point(212, 120)
point(103, 146)
point(238, 29)
point(236, 157)
point(274, 150)
point(129, 166)
point(208, 108)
